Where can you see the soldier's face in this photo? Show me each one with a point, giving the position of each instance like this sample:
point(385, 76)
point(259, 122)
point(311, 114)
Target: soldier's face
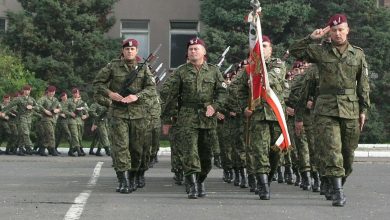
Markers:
point(6, 100)
point(26, 92)
point(64, 98)
point(267, 50)
point(339, 33)
point(196, 52)
point(76, 95)
point(51, 94)
point(130, 53)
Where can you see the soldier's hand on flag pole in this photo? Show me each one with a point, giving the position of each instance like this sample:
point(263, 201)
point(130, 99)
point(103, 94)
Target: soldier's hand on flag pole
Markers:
point(248, 113)
point(210, 111)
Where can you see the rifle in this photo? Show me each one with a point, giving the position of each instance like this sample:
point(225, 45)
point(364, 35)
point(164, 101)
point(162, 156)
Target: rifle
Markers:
point(160, 77)
point(222, 57)
point(126, 89)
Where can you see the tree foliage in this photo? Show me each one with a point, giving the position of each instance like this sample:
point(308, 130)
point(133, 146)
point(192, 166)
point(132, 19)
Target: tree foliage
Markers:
point(62, 41)
point(288, 20)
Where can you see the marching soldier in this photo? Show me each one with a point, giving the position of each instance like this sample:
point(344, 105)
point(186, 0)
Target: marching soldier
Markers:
point(98, 114)
point(200, 89)
point(342, 101)
point(62, 128)
point(127, 126)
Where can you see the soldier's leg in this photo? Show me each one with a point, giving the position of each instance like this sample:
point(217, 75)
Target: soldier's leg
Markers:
point(136, 147)
point(310, 135)
point(156, 133)
point(119, 131)
point(216, 151)
point(260, 142)
point(175, 158)
point(205, 146)
point(246, 140)
point(304, 160)
point(275, 153)
point(334, 170)
point(75, 142)
point(104, 138)
point(350, 133)
point(145, 157)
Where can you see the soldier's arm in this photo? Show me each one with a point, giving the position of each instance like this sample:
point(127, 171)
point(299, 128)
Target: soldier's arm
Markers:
point(169, 93)
point(100, 83)
point(220, 92)
point(306, 49)
point(239, 90)
point(363, 87)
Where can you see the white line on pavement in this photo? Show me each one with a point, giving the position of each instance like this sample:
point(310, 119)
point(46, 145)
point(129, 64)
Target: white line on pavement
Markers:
point(75, 211)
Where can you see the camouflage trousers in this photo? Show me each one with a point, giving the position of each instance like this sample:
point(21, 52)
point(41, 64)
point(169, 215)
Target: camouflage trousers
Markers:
point(156, 133)
point(293, 153)
point(127, 137)
point(102, 133)
point(24, 128)
point(238, 142)
point(5, 133)
point(62, 129)
point(303, 152)
point(260, 158)
point(338, 138)
point(14, 137)
point(176, 152)
point(146, 149)
point(226, 145)
point(310, 136)
point(76, 134)
point(196, 145)
point(47, 133)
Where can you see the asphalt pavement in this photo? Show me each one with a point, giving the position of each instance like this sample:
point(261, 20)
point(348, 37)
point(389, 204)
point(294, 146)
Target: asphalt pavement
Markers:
point(35, 187)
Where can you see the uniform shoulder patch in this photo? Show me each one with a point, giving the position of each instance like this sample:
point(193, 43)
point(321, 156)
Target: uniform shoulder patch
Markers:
point(224, 85)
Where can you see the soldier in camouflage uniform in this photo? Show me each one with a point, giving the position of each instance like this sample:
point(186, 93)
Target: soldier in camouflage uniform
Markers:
point(200, 89)
point(50, 108)
point(155, 112)
point(263, 126)
point(62, 128)
point(127, 113)
point(98, 114)
point(5, 131)
point(76, 111)
point(342, 101)
point(25, 106)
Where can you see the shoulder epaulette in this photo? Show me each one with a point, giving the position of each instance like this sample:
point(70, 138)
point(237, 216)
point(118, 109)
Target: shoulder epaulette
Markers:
point(359, 48)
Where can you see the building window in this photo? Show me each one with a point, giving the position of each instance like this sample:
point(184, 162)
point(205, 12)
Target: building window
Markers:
point(180, 33)
point(2, 25)
point(139, 30)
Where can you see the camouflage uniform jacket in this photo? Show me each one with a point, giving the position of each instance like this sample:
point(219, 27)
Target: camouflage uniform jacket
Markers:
point(113, 77)
point(343, 78)
point(79, 107)
point(195, 90)
point(21, 107)
point(98, 113)
point(240, 89)
point(49, 104)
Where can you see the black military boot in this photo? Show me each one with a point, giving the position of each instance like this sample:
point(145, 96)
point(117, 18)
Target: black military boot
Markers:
point(280, 175)
point(338, 198)
point(71, 152)
point(20, 151)
point(107, 150)
point(98, 152)
point(52, 152)
point(193, 188)
point(42, 151)
point(201, 187)
point(236, 177)
point(91, 151)
point(263, 185)
point(79, 152)
point(230, 179)
point(8, 151)
point(306, 180)
point(297, 178)
point(29, 150)
point(141, 179)
point(119, 176)
point(329, 188)
point(56, 149)
point(132, 176)
point(323, 187)
point(288, 175)
point(251, 182)
point(244, 180)
point(316, 183)
point(217, 161)
point(125, 184)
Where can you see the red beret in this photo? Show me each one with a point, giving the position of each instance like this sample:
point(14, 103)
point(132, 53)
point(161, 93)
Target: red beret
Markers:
point(266, 39)
point(297, 64)
point(75, 90)
point(130, 43)
point(6, 97)
point(51, 88)
point(63, 94)
point(27, 87)
point(337, 19)
point(195, 41)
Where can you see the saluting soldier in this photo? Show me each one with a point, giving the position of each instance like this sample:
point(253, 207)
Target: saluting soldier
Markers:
point(200, 89)
point(343, 97)
point(127, 124)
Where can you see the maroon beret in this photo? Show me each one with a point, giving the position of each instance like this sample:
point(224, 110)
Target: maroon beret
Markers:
point(266, 39)
point(298, 64)
point(129, 42)
point(6, 97)
point(75, 90)
point(195, 41)
point(27, 87)
point(337, 19)
point(51, 88)
point(63, 94)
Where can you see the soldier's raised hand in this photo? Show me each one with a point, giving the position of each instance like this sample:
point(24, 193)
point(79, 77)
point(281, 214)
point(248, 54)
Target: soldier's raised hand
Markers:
point(319, 33)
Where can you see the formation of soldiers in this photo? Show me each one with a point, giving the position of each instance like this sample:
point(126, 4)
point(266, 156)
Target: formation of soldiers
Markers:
point(210, 115)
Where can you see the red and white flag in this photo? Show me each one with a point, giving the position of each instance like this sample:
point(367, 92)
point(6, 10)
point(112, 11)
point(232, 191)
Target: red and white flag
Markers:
point(257, 70)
